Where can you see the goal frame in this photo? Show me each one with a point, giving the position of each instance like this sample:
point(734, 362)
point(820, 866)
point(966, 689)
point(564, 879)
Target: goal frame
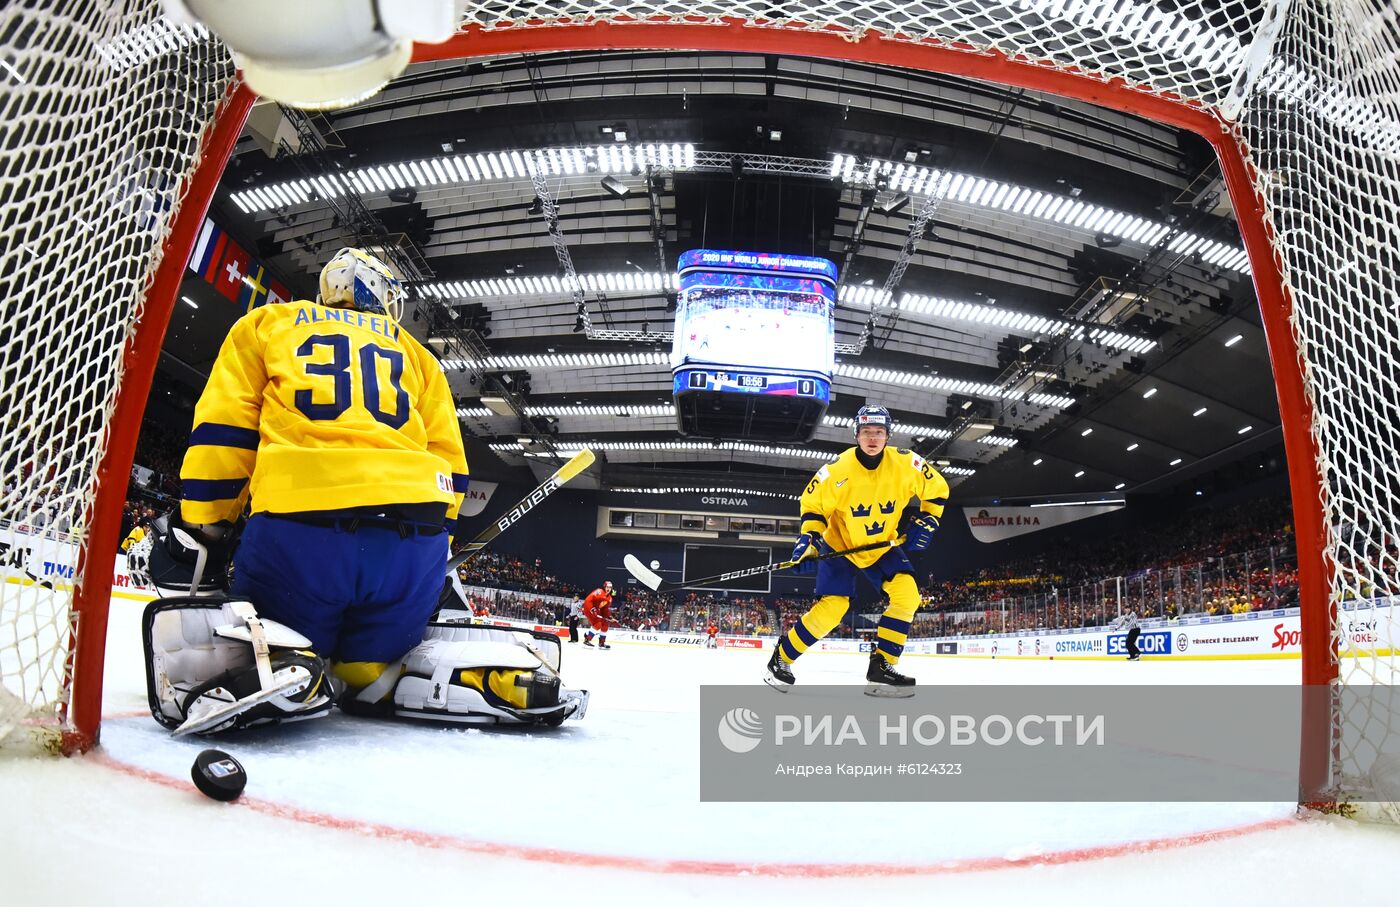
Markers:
point(1319, 666)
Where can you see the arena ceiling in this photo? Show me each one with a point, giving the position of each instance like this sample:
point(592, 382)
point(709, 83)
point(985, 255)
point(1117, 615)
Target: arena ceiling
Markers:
point(1077, 318)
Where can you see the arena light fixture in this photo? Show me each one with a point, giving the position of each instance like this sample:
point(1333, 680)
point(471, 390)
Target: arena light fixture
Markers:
point(551, 285)
point(486, 166)
point(1234, 340)
point(1113, 226)
point(1149, 392)
point(1118, 502)
point(1176, 462)
point(846, 370)
point(1133, 446)
point(944, 308)
point(695, 489)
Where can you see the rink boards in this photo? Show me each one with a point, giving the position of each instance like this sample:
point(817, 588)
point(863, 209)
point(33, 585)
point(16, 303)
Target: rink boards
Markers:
point(1370, 627)
point(1370, 630)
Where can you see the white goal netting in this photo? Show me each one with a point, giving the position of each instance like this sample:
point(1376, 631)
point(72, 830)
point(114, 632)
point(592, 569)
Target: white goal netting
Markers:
point(102, 109)
point(102, 114)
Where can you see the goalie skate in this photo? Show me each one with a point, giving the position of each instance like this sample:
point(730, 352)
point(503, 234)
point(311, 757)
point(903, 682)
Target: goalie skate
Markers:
point(218, 707)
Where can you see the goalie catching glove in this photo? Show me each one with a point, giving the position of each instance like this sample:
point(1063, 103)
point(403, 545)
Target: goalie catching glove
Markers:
point(172, 562)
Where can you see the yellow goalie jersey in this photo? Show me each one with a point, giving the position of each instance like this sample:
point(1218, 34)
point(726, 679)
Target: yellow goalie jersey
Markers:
point(853, 506)
point(315, 409)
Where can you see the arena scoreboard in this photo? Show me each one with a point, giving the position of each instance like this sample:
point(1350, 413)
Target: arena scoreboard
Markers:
point(755, 344)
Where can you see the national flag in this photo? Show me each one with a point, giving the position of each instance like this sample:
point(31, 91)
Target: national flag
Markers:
point(228, 280)
point(276, 292)
point(253, 292)
point(208, 250)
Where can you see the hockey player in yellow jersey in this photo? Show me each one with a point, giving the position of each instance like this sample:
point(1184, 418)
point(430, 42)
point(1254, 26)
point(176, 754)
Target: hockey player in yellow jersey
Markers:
point(337, 430)
point(869, 494)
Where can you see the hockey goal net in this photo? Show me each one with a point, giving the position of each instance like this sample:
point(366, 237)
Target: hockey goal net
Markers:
point(117, 125)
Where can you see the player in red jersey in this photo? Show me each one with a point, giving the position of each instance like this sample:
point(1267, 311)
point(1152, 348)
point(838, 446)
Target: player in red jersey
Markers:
point(713, 641)
point(596, 608)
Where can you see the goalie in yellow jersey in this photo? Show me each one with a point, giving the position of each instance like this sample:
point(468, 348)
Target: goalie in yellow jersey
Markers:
point(869, 494)
point(337, 429)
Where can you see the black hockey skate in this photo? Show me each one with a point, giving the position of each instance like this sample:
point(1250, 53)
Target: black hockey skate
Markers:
point(885, 681)
point(603, 645)
point(588, 641)
point(779, 673)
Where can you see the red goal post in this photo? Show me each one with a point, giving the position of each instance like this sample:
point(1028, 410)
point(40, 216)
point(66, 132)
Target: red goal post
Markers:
point(1289, 94)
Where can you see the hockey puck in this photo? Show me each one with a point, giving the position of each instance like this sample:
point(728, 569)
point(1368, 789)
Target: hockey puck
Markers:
point(218, 775)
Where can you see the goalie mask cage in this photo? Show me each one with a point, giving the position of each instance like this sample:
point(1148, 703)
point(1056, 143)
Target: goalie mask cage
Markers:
point(117, 125)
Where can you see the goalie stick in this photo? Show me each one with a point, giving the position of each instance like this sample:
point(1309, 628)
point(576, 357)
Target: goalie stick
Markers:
point(656, 584)
point(581, 461)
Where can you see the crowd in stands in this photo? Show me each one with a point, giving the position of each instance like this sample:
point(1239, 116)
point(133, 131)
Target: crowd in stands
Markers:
point(1228, 561)
point(156, 472)
point(505, 571)
point(732, 615)
point(641, 610)
point(137, 513)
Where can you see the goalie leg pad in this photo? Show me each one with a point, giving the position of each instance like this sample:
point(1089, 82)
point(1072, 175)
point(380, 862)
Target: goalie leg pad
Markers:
point(212, 665)
point(479, 675)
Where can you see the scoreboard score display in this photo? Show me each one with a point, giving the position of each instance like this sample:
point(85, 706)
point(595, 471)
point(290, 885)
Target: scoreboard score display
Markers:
point(755, 344)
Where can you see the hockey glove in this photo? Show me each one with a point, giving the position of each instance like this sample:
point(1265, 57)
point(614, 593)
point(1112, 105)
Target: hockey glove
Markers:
point(922, 526)
point(172, 562)
point(808, 548)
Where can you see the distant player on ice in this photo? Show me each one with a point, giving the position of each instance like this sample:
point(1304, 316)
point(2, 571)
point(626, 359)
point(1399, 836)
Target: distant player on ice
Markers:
point(597, 608)
point(712, 636)
point(869, 494)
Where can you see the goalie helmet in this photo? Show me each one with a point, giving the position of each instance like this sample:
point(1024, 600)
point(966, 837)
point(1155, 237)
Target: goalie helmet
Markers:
point(355, 279)
point(874, 415)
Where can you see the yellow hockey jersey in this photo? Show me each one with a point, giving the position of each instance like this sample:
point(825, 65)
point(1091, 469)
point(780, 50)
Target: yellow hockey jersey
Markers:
point(315, 409)
point(853, 506)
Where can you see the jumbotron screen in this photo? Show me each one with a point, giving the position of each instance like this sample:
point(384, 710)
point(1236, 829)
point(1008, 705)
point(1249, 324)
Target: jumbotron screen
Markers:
point(766, 319)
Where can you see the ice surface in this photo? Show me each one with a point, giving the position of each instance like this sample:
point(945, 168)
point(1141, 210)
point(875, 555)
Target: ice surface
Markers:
point(609, 809)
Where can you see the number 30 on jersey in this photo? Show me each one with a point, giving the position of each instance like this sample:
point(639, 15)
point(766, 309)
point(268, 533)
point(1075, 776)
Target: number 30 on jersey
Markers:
point(338, 379)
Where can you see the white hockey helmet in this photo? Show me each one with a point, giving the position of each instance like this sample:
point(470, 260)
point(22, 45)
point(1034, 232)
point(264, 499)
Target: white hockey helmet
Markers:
point(607, 585)
point(355, 279)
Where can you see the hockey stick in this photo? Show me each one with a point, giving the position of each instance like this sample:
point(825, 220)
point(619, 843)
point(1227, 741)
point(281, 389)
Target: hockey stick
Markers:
point(656, 584)
point(581, 461)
